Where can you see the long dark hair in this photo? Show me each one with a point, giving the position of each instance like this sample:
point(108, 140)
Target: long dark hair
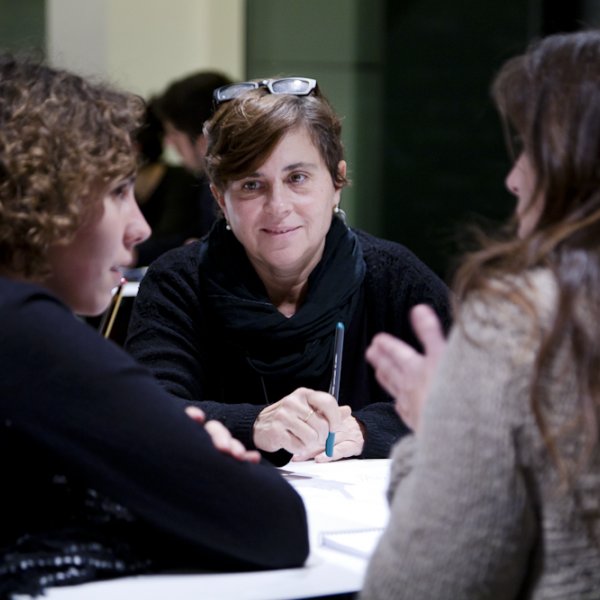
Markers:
point(550, 98)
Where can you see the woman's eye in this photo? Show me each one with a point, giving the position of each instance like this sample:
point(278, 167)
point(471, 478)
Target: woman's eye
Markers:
point(298, 177)
point(122, 190)
point(250, 186)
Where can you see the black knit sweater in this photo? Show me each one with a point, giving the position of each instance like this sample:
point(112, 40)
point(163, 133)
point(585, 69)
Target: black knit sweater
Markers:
point(171, 332)
point(103, 473)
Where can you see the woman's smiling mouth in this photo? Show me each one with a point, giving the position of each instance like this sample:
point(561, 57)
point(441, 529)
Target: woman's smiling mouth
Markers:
point(280, 230)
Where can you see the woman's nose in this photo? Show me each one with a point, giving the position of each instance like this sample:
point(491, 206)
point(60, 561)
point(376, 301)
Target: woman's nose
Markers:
point(511, 181)
point(276, 201)
point(137, 229)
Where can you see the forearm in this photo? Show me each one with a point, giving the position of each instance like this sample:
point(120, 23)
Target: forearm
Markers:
point(239, 419)
point(126, 438)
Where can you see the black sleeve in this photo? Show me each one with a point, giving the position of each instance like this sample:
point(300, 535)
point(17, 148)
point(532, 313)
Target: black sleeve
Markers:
point(383, 428)
point(396, 281)
point(89, 404)
point(167, 334)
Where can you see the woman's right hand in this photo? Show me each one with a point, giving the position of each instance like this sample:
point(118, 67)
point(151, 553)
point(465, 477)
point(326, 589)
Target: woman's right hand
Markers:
point(298, 423)
point(401, 370)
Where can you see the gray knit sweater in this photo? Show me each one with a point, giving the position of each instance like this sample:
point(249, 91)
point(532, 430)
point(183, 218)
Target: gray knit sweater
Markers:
point(477, 510)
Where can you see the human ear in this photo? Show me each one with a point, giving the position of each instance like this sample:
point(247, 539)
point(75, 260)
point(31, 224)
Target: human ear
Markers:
point(342, 166)
point(338, 189)
point(219, 197)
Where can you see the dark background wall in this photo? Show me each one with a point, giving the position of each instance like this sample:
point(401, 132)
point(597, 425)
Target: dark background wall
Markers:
point(444, 155)
point(411, 80)
point(444, 158)
point(22, 24)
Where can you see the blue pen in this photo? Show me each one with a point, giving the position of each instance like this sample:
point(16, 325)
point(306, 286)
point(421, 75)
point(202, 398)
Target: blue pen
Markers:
point(334, 388)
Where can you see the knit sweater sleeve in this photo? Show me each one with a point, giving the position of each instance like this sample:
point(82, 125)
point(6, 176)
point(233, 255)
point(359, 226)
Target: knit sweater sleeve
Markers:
point(167, 321)
point(396, 280)
point(462, 521)
point(90, 410)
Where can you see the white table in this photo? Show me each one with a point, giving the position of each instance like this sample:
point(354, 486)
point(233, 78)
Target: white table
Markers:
point(339, 496)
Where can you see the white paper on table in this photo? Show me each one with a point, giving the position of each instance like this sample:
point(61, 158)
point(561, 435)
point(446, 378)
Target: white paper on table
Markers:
point(358, 542)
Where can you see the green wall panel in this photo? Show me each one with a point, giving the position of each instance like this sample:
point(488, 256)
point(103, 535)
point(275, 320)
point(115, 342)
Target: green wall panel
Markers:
point(22, 25)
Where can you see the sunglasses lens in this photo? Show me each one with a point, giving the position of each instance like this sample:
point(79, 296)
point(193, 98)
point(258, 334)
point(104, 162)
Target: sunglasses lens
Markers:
point(228, 92)
point(291, 85)
point(297, 86)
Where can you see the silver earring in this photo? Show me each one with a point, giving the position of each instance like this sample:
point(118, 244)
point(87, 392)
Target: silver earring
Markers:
point(227, 226)
point(339, 213)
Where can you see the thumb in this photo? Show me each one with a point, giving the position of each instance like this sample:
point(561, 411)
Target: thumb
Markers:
point(428, 329)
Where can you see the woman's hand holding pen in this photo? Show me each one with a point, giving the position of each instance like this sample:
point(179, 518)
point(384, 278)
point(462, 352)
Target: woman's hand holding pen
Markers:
point(349, 441)
point(298, 423)
point(222, 438)
point(401, 370)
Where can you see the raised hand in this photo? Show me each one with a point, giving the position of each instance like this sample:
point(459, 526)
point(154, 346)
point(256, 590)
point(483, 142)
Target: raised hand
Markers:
point(401, 370)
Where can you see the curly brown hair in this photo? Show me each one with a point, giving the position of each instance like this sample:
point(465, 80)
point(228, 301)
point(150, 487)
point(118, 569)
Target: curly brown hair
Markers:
point(63, 140)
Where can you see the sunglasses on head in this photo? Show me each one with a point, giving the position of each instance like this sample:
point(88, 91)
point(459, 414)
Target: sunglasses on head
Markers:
point(296, 86)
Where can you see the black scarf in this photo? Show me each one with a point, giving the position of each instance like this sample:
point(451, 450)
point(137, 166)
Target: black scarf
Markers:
point(245, 318)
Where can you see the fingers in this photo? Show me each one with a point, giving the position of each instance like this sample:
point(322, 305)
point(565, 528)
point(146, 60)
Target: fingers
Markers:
point(195, 413)
point(299, 423)
point(349, 441)
point(428, 328)
point(226, 443)
point(345, 412)
point(392, 359)
point(388, 351)
point(221, 437)
point(402, 371)
point(328, 409)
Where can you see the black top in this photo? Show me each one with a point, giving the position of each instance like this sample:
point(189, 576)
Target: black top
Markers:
point(173, 332)
point(94, 450)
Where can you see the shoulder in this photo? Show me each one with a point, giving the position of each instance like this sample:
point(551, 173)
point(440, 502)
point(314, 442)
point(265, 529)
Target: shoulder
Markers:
point(179, 266)
point(17, 297)
point(512, 316)
point(395, 276)
point(376, 247)
point(40, 330)
point(181, 258)
point(172, 283)
point(385, 256)
point(514, 302)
